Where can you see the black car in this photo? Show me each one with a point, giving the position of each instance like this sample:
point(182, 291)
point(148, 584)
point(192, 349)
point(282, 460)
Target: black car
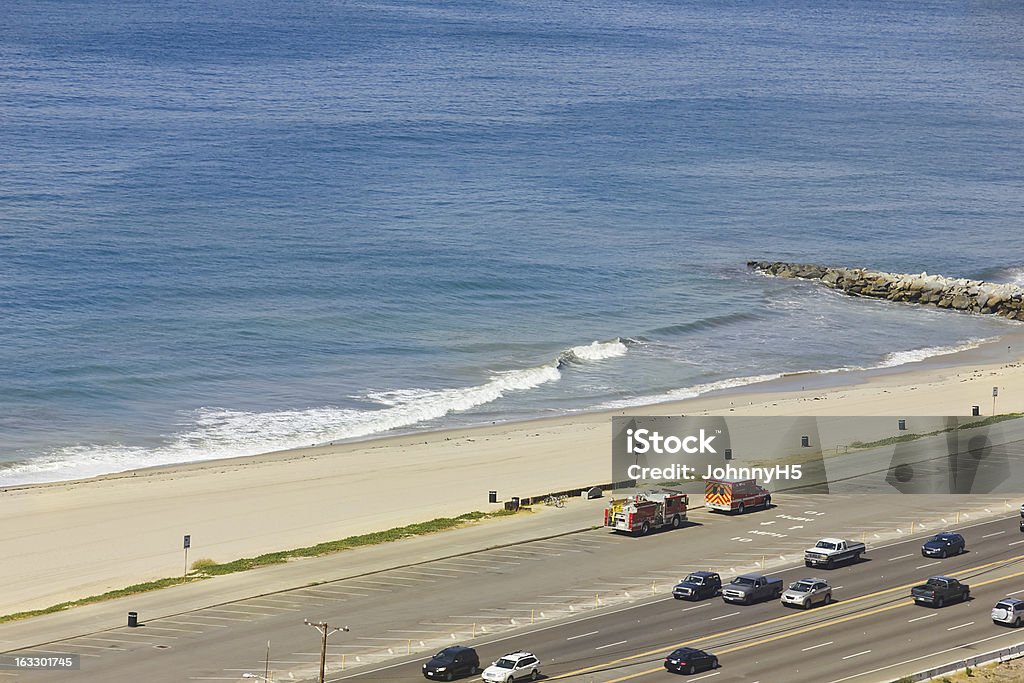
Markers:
point(697, 586)
point(451, 662)
point(690, 660)
point(944, 545)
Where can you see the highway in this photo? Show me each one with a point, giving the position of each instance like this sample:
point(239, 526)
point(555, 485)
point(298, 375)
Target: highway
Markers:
point(599, 606)
point(873, 632)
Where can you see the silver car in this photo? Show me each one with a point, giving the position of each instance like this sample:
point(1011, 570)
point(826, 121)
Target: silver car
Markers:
point(1009, 611)
point(806, 593)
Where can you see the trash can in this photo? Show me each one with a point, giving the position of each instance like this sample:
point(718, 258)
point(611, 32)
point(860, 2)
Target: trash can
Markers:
point(976, 410)
point(492, 496)
point(515, 503)
point(805, 441)
point(133, 619)
point(902, 424)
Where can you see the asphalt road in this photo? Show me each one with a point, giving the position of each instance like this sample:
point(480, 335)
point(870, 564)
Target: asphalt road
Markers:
point(873, 632)
point(598, 606)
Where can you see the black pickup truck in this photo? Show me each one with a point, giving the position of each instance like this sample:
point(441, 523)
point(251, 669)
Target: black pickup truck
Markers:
point(940, 590)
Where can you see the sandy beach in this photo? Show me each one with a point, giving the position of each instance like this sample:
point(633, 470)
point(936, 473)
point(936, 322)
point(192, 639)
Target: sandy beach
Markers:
point(81, 538)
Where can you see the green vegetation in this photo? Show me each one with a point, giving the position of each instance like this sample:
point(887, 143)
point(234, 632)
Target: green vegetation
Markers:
point(109, 595)
point(903, 438)
point(200, 566)
point(206, 568)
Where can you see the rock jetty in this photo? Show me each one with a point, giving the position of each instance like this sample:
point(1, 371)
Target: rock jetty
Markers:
point(956, 293)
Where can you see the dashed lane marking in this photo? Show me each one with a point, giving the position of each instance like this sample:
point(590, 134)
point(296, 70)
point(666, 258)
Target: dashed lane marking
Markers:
point(583, 635)
point(953, 628)
point(723, 616)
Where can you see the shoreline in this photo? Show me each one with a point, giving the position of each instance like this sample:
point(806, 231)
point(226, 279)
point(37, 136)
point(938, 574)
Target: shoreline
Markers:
point(986, 352)
point(120, 529)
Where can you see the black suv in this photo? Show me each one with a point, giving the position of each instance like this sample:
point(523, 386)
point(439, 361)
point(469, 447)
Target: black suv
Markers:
point(697, 586)
point(690, 660)
point(944, 545)
point(451, 662)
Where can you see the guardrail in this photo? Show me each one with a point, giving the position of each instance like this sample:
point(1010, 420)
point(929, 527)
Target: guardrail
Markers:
point(1005, 654)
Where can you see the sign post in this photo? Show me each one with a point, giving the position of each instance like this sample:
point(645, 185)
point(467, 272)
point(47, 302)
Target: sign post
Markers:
point(995, 392)
point(187, 543)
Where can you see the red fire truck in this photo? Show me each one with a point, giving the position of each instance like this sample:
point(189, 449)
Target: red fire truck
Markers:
point(735, 495)
point(641, 512)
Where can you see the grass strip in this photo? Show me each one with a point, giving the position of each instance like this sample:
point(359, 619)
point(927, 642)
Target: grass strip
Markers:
point(209, 569)
point(903, 438)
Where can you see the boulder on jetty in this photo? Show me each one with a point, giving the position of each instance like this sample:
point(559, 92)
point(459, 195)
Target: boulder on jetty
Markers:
point(960, 294)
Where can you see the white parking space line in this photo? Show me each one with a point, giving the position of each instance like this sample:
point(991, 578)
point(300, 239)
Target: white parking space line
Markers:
point(511, 556)
point(485, 561)
point(56, 652)
point(360, 587)
point(927, 616)
point(281, 601)
point(165, 628)
point(893, 559)
point(537, 603)
point(193, 623)
point(296, 598)
point(621, 642)
point(687, 609)
point(94, 647)
point(701, 678)
point(574, 597)
point(115, 640)
point(1015, 592)
point(857, 654)
point(332, 594)
point(1015, 543)
point(439, 568)
point(403, 577)
point(953, 628)
point(814, 647)
point(210, 616)
point(278, 608)
point(219, 610)
point(560, 548)
point(520, 551)
point(423, 571)
point(723, 616)
point(930, 564)
point(395, 630)
point(583, 635)
point(994, 533)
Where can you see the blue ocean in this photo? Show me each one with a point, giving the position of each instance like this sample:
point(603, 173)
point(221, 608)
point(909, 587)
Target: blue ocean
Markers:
point(233, 227)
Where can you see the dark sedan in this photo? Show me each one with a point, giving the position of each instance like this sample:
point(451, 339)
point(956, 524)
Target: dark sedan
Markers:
point(688, 660)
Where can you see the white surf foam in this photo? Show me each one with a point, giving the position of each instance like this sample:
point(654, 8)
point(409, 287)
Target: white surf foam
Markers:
point(217, 433)
point(897, 358)
point(596, 351)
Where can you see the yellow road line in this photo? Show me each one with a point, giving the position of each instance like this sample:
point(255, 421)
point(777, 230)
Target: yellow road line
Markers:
point(797, 615)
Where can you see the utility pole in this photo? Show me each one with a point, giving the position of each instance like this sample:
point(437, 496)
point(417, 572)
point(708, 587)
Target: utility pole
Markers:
point(325, 630)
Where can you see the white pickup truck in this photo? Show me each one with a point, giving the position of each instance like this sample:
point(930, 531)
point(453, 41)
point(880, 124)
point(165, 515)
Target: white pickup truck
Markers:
point(828, 552)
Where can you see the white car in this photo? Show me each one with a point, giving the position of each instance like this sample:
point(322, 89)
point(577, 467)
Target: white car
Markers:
point(806, 592)
point(1009, 611)
point(515, 666)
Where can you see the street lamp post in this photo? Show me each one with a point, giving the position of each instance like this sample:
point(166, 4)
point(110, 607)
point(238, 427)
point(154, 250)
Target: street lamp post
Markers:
point(325, 630)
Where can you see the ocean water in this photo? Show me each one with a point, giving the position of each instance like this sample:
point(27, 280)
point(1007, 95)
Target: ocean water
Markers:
point(232, 227)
